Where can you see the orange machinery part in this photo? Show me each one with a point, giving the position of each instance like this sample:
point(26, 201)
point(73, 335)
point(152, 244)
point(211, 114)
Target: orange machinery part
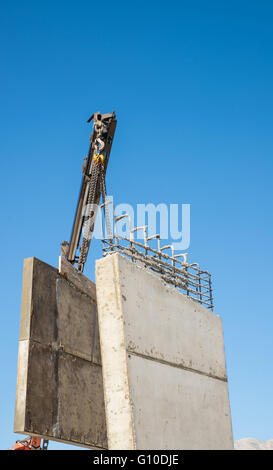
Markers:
point(31, 443)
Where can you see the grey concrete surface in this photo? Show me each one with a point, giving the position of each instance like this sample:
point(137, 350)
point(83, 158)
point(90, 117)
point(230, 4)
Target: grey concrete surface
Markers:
point(164, 372)
point(174, 408)
point(59, 381)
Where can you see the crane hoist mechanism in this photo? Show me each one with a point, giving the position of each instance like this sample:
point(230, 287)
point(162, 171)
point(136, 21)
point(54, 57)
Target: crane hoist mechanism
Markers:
point(93, 187)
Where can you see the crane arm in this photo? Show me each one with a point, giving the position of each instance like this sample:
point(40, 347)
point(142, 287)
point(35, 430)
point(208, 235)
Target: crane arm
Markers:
point(94, 169)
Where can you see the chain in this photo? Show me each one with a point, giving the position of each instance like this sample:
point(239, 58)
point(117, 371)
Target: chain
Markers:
point(106, 210)
point(87, 224)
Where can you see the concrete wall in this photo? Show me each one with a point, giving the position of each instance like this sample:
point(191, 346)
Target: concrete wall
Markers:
point(59, 382)
point(164, 372)
point(163, 384)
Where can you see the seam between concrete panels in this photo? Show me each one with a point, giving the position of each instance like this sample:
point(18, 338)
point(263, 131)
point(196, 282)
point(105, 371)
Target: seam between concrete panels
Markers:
point(176, 366)
point(57, 348)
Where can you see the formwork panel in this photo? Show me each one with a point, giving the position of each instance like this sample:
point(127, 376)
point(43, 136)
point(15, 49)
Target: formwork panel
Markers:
point(59, 392)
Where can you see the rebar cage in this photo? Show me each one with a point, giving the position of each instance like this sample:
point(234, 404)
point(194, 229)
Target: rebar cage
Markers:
point(173, 269)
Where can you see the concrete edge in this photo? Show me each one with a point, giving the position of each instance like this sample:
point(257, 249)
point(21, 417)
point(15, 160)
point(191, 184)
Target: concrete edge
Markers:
point(52, 438)
point(26, 301)
point(79, 280)
point(119, 413)
point(21, 387)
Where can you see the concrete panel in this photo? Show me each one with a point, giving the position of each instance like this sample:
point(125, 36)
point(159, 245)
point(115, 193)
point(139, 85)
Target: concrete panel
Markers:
point(191, 329)
point(59, 381)
point(79, 312)
point(176, 409)
point(81, 382)
point(163, 363)
point(38, 281)
point(42, 389)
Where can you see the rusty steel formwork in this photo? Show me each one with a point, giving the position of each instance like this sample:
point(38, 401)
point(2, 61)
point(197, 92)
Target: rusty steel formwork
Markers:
point(174, 268)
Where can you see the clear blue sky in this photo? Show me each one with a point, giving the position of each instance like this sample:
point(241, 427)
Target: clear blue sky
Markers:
point(192, 85)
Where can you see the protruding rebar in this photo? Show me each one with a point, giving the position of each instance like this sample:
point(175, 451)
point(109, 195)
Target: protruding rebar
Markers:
point(174, 269)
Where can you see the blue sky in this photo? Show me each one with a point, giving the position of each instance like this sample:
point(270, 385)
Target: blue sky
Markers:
point(192, 85)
